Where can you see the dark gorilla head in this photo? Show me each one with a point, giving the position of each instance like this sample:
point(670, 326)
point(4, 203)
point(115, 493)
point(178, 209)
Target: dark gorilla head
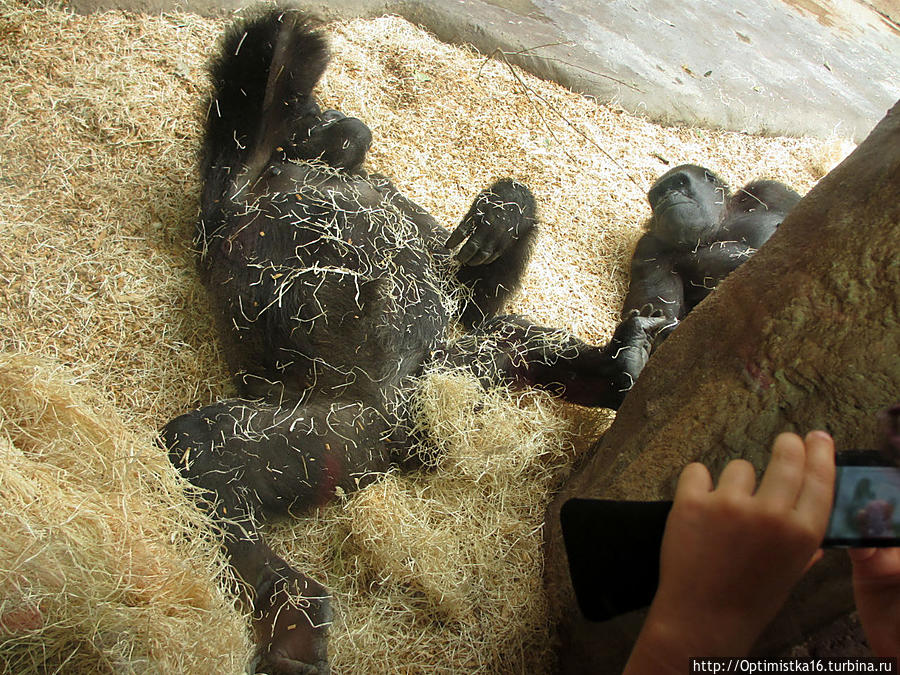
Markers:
point(688, 205)
point(333, 138)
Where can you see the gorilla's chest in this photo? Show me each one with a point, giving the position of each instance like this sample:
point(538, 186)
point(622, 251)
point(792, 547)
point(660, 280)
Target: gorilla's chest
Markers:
point(324, 272)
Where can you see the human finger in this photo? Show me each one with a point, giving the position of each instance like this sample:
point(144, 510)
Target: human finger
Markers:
point(858, 555)
point(875, 563)
point(816, 495)
point(739, 476)
point(816, 557)
point(783, 479)
point(694, 481)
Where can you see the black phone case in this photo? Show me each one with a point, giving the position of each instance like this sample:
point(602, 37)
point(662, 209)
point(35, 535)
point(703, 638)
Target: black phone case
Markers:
point(613, 551)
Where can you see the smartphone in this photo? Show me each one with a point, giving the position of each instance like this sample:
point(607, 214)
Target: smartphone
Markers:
point(613, 546)
point(866, 509)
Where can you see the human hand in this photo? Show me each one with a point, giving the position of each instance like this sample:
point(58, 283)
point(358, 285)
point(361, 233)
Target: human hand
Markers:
point(731, 555)
point(876, 586)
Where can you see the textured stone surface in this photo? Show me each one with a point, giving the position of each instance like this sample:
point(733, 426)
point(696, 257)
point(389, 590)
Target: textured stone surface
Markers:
point(785, 67)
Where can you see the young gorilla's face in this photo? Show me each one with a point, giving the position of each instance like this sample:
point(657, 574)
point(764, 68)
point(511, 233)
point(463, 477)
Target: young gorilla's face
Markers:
point(688, 205)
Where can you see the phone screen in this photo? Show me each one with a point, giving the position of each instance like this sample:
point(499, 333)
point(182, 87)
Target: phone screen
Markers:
point(866, 509)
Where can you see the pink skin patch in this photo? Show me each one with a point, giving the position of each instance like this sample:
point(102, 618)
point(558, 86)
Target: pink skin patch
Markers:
point(330, 476)
point(21, 620)
point(759, 377)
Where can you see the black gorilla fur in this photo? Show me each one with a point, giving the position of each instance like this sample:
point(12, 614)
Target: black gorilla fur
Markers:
point(698, 234)
point(333, 293)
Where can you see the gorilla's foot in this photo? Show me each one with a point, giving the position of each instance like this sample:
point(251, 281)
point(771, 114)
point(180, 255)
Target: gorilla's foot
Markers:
point(291, 625)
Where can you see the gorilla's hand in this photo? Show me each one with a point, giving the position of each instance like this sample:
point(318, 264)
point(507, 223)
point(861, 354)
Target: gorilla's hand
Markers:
point(658, 332)
point(631, 345)
point(663, 331)
point(500, 216)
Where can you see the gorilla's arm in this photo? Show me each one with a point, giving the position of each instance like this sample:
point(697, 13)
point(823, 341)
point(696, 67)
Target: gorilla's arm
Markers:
point(703, 269)
point(755, 212)
point(655, 284)
point(499, 233)
point(430, 230)
point(511, 351)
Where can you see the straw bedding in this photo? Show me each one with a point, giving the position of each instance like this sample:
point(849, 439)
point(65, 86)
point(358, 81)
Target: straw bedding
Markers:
point(102, 566)
point(106, 335)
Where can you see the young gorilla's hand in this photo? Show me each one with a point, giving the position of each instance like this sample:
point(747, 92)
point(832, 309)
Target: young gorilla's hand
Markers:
point(730, 555)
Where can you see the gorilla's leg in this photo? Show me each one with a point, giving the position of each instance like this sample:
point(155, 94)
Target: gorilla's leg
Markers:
point(512, 351)
point(291, 611)
point(255, 459)
point(499, 232)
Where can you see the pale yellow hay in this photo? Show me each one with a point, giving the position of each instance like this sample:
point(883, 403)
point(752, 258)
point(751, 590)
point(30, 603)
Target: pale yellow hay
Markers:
point(433, 572)
point(440, 570)
point(103, 564)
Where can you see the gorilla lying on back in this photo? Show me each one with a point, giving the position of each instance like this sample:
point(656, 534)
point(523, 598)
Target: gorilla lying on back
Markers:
point(698, 234)
point(334, 293)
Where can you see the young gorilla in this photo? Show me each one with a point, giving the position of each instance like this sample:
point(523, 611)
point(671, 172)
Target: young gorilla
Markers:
point(334, 293)
point(699, 233)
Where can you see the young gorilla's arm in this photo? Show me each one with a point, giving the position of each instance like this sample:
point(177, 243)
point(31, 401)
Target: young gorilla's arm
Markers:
point(730, 555)
point(511, 351)
point(655, 284)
